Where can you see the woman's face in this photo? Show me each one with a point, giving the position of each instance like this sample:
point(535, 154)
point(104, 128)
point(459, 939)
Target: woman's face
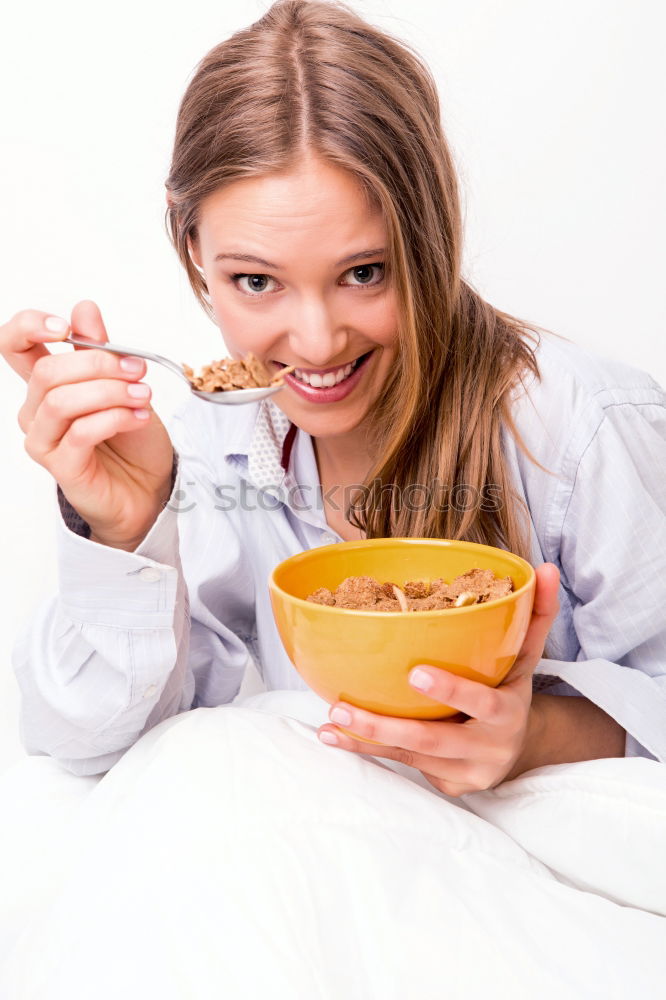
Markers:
point(293, 267)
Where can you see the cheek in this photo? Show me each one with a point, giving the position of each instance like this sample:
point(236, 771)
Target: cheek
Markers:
point(241, 333)
point(244, 332)
point(385, 322)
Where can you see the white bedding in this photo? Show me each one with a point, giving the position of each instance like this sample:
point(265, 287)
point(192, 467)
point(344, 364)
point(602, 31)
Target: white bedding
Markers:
point(230, 854)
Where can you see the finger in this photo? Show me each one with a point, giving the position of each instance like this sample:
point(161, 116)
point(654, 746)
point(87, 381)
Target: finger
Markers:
point(66, 403)
point(439, 738)
point(544, 612)
point(479, 701)
point(87, 321)
point(21, 339)
point(454, 789)
point(438, 768)
point(76, 449)
point(86, 365)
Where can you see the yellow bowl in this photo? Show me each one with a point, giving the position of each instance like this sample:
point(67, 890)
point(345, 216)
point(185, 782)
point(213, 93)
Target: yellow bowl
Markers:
point(364, 657)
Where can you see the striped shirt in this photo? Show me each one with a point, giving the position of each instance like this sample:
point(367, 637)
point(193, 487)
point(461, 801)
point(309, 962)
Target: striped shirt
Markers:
point(132, 638)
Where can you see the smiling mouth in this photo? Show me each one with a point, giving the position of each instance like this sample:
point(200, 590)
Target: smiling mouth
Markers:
point(320, 378)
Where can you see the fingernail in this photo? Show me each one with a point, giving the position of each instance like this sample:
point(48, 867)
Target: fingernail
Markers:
point(131, 364)
point(420, 679)
point(55, 324)
point(139, 390)
point(328, 738)
point(340, 715)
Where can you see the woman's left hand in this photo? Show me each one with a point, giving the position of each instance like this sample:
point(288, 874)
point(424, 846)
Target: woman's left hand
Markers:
point(491, 744)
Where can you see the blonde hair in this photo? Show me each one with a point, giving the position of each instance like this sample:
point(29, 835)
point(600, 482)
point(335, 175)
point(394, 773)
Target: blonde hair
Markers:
point(314, 76)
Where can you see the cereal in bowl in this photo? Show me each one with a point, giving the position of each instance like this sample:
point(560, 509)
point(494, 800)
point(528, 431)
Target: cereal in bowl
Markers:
point(364, 593)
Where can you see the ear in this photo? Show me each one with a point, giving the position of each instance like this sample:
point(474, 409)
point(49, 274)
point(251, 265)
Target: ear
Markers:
point(169, 199)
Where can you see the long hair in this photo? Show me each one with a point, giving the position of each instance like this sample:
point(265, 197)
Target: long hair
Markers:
point(313, 75)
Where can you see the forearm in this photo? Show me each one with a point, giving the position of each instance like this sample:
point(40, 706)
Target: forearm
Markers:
point(563, 729)
point(87, 691)
point(107, 653)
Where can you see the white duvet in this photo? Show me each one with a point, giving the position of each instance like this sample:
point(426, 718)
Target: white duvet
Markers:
point(230, 854)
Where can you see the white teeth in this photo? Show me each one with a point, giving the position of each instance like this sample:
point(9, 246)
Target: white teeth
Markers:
point(327, 380)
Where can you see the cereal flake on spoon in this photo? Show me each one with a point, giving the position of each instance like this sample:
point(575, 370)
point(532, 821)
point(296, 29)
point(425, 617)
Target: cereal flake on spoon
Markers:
point(229, 374)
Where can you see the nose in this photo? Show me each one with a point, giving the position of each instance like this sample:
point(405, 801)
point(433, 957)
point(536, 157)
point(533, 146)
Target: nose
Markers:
point(315, 337)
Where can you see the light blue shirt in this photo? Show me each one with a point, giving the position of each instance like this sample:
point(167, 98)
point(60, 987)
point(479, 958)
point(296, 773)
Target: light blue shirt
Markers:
point(133, 638)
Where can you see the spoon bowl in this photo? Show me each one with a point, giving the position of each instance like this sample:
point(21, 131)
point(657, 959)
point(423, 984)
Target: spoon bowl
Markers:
point(231, 397)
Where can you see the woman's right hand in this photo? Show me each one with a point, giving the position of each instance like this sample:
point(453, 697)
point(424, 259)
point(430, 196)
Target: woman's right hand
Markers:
point(80, 422)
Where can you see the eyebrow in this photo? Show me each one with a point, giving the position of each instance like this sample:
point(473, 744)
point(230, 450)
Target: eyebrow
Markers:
point(250, 258)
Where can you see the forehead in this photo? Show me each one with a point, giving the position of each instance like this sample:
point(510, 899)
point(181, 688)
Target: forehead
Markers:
point(316, 205)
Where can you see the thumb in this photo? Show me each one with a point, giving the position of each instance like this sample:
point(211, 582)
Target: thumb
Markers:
point(87, 321)
point(544, 612)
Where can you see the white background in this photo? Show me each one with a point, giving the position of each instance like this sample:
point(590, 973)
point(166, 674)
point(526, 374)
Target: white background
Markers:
point(554, 113)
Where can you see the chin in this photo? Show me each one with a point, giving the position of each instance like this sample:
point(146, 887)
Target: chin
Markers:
point(325, 425)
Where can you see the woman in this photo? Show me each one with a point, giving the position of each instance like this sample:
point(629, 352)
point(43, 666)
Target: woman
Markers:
point(313, 202)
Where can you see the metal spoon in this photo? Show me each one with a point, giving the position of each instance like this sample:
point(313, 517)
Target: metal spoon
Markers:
point(231, 396)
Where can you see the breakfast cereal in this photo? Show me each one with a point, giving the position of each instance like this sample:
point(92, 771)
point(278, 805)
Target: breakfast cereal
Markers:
point(246, 373)
point(364, 593)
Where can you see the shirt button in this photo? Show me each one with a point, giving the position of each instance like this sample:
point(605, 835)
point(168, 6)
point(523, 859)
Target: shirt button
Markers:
point(150, 574)
point(150, 690)
point(327, 539)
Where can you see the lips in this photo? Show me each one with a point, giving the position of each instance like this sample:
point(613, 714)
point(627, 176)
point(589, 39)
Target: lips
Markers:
point(333, 368)
point(329, 394)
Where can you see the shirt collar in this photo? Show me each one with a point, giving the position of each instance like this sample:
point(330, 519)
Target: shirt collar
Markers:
point(258, 444)
point(273, 455)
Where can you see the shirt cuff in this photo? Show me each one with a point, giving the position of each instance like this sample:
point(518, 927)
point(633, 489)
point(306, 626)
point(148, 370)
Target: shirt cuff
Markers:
point(632, 748)
point(102, 585)
point(548, 684)
point(71, 517)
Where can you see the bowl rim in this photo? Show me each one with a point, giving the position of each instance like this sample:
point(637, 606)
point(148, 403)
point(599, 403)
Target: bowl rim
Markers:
point(364, 542)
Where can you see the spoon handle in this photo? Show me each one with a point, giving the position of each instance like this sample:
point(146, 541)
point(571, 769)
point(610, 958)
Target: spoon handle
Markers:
point(118, 349)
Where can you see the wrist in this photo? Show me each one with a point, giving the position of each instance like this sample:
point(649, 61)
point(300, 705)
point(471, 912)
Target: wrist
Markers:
point(529, 755)
point(123, 542)
point(564, 729)
point(129, 545)
point(115, 544)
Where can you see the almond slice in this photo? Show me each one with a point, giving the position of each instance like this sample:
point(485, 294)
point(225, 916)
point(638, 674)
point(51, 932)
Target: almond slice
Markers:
point(467, 597)
point(400, 597)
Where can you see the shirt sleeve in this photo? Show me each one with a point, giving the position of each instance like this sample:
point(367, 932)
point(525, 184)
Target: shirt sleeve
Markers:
point(119, 648)
point(613, 564)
